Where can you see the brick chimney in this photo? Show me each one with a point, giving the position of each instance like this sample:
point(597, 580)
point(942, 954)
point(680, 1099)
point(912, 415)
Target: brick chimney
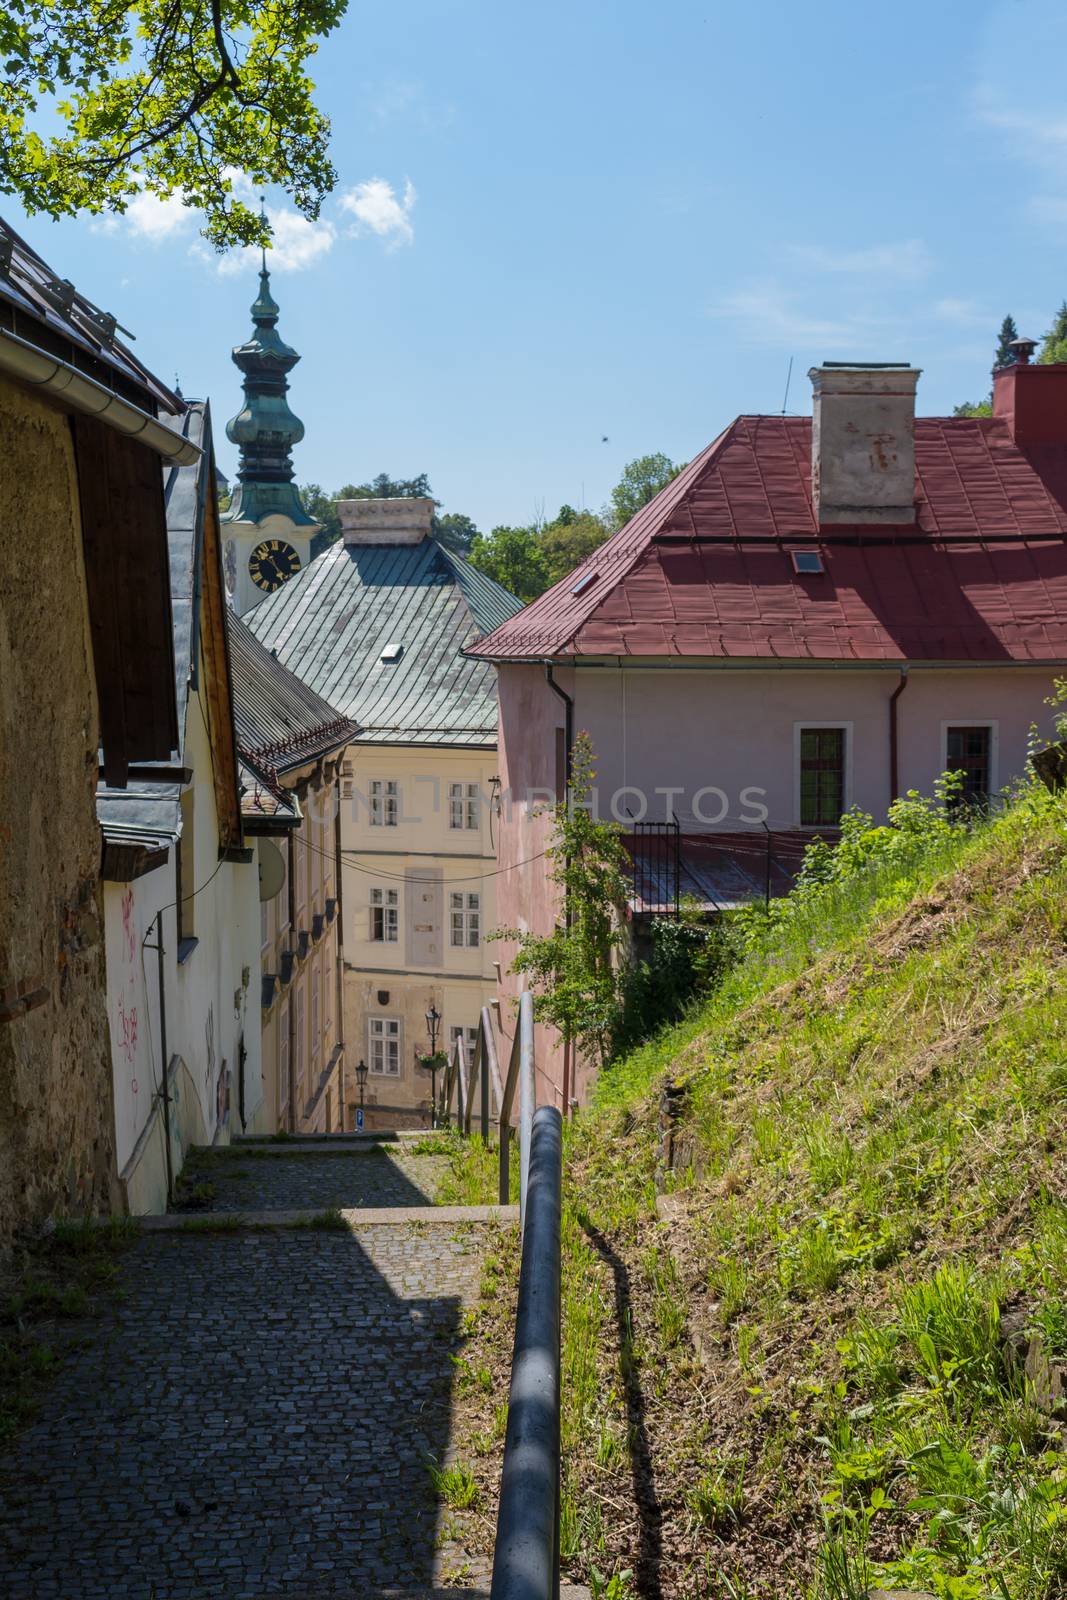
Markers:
point(863, 441)
point(401, 520)
point(1031, 399)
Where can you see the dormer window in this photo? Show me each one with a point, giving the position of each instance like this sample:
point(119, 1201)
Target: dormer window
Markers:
point(807, 562)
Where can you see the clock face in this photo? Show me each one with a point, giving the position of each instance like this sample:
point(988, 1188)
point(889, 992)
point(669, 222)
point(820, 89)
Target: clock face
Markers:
point(273, 563)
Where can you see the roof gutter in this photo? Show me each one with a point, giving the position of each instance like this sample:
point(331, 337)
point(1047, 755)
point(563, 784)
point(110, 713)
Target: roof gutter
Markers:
point(75, 391)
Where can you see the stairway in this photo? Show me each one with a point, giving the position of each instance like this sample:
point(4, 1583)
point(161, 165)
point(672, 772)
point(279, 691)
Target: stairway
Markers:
point(254, 1417)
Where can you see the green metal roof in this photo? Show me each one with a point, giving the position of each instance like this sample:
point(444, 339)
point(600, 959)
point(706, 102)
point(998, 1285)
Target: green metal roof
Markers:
point(355, 604)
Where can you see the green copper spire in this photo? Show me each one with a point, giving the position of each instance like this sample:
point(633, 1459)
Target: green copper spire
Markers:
point(265, 429)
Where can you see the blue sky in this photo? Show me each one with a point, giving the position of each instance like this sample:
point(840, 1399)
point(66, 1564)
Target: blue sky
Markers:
point(580, 219)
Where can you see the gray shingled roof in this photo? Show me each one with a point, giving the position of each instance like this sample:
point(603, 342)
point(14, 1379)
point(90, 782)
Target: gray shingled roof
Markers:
point(333, 623)
point(280, 722)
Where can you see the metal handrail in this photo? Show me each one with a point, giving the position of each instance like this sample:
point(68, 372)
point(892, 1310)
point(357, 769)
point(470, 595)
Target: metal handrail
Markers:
point(526, 1556)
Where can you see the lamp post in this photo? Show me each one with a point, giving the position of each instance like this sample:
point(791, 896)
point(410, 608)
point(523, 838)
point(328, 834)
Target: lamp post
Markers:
point(361, 1079)
point(433, 1022)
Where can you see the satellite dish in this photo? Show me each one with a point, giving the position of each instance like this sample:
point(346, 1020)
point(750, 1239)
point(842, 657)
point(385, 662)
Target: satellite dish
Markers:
point(271, 870)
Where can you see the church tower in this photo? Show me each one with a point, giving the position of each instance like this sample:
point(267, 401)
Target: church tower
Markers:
point(267, 531)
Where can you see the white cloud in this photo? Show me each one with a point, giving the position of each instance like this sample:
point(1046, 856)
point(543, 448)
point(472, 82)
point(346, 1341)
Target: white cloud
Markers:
point(766, 314)
point(151, 217)
point(909, 258)
point(296, 244)
point(379, 209)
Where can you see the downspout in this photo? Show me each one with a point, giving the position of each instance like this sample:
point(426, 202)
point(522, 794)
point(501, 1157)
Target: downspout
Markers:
point(568, 740)
point(165, 1089)
point(339, 1006)
point(894, 786)
point(290, 890)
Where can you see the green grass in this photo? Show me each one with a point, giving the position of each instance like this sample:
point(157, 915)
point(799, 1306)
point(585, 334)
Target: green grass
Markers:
point(455, 1485)
point(871, 1170)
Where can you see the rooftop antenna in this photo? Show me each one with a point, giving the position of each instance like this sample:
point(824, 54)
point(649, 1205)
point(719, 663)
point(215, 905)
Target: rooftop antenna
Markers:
point(788, 381)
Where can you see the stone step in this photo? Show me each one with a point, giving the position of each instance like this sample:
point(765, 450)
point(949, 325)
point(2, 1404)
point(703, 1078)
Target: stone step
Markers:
point(355, 1218)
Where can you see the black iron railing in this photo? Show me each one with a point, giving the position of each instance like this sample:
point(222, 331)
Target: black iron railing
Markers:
point(657, 868)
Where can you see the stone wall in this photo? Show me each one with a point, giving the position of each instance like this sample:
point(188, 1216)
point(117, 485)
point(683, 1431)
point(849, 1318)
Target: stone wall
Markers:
point(56, 1139)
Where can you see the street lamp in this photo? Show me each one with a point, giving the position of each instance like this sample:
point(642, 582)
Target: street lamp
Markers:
point(433, 1022)
point(361, 1079)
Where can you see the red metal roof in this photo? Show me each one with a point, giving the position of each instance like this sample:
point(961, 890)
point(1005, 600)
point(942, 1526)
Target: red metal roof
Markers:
point(705, 570)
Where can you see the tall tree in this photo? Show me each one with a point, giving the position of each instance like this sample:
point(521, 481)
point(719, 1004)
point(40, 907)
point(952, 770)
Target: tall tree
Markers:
point(456, 532)
point(171, 98)
point(1054, 344)
point(1005, 356)
point(641, 479)
point(571, 537)
point(514, 558)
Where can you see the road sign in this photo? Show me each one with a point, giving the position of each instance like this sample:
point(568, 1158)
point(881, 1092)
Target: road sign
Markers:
point(359, 1119)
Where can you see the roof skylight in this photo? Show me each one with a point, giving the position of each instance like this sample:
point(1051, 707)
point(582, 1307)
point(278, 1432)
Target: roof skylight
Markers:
point(807, 561)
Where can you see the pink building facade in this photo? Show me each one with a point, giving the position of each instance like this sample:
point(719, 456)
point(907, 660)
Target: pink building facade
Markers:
point(813, 615)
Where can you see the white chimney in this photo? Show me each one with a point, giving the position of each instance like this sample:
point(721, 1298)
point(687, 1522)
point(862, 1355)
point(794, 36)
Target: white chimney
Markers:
point(863, 442)
point(397, 521)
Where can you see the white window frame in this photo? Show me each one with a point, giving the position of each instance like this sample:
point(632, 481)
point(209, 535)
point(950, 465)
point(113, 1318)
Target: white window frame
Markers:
point(798, 729)
point(465, 919)
point(386, 904)
point(265, 914)
point(994, 745)
point(383, 1032)
point(464, 807)
point(384, 802)
point(470, 1039)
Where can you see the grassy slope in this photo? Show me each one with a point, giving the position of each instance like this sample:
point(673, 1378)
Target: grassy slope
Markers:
point(788, 1374)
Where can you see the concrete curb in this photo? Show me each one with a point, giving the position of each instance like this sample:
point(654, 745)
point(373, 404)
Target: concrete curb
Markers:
point(356, 1218)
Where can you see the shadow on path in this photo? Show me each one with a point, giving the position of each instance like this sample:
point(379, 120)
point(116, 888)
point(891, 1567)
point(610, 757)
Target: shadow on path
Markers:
point(253, 1420)
point(325, 1180)
point(649, 1514)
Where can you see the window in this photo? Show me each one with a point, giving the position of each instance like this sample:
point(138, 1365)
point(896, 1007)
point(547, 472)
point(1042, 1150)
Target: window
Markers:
point(466, 916)
point(283, 1063)
point(384, 797)
point(969, 751)
point(463, 805)
point(300, 847)
point(301, 1048)
point(822, 776)
point(470, 1040)
point(329, 972)
point(385, 915)
point(185, 859)
point(281, 899)
point(264, 924)
point(806, 561)
point(316, 1010)
point(384, 1046)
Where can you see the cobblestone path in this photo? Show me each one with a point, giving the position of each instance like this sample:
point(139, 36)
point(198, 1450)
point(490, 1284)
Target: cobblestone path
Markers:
point(373, 1177)
point(253, 1418)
